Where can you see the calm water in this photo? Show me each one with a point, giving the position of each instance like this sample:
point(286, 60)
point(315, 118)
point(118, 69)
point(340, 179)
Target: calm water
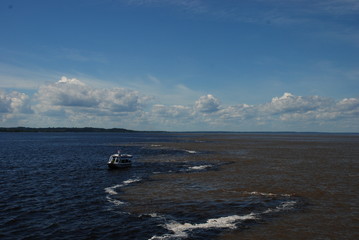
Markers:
point(181, 186)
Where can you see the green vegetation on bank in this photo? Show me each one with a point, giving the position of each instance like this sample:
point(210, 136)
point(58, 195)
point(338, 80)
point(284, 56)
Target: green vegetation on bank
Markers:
point(64, 129)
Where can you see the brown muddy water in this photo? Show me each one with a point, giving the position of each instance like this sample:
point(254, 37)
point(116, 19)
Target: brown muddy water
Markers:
point(198, 186)
point(252, 186)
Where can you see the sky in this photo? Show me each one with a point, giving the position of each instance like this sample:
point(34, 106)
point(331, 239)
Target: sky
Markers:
point(180, 65)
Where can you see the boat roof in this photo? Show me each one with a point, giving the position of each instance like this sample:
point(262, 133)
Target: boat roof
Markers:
point(121, 155)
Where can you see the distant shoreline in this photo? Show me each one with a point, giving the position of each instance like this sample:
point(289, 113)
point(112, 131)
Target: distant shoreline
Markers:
point(65, 129)
point(123, 130)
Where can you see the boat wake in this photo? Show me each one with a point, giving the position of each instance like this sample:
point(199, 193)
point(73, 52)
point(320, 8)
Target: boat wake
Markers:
point(188, 230)
point(180, 229)
point(113, 191)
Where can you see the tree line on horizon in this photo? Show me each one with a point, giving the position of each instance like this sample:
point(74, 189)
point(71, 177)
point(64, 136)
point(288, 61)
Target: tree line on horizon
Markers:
point(63, 129)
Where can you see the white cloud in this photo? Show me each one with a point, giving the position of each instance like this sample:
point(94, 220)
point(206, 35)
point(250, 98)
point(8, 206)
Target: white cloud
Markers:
point(67, 92)
point(164, 90)
point(175, 117)
point(14, 102)
point(14, 106)
point(349, 104)
point(176, 111)
point(304, 113)
point(346, 108)
point(237, 112)
point(121, 100)
point(71, 102)
point(207, 104)
point(288, 103)
point(73, 93)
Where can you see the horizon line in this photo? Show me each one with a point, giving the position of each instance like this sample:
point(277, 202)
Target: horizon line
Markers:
point(101, 129)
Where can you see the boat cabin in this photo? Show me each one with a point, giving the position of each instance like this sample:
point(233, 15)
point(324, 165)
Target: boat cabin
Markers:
point(119, 160)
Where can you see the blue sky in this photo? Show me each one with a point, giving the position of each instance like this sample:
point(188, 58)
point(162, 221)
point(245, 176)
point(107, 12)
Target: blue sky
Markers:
point(180, 65)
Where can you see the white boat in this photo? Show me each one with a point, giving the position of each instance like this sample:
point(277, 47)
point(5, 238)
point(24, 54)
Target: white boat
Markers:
point(119, 160)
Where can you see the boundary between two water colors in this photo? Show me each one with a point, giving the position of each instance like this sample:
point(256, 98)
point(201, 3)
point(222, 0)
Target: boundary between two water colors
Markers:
point(181, 230)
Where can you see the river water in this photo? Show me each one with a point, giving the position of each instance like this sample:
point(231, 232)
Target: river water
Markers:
point(181, 186)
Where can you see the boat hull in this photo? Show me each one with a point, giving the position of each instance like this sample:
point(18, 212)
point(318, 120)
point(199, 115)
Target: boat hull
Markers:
point(118, 166)
point(118, 160)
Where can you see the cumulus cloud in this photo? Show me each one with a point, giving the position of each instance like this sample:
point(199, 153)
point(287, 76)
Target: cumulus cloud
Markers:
point(14, 106)
point(288, 110)
point(288, 103)
point(176, 111)
point(175, 117)
point(71, 102)
point(121, 100)
point(67, 92)
point(14, 102)
point(207, 104)
point(350, 105)
point(297, 110)
point(73, 93)
point(237, 112)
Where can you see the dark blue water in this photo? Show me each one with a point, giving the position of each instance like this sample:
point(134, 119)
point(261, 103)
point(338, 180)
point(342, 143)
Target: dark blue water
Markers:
point(57, 186)
point(52, 185)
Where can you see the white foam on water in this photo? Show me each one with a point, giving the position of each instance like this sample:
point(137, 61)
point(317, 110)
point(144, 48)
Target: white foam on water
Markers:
point(267, 194)
point(112, 190)
point(180, 230)
point(191, 151)
point(114, 201)
point(129, 181)
point(156, 215)
point(261, 194)
point(201, 167)
point(288, 205)
point(285, 206)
